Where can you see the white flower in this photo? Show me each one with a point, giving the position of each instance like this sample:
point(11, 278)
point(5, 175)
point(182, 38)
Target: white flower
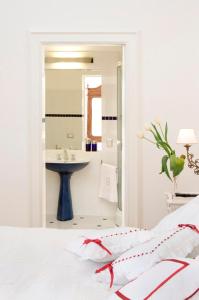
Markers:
point(140, 135)
point(157, 120)
point(147, 127)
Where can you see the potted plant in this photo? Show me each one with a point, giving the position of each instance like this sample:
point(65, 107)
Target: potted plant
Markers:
point(171, 164)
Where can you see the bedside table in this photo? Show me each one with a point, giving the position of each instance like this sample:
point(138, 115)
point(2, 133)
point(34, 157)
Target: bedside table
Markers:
point(174, 202)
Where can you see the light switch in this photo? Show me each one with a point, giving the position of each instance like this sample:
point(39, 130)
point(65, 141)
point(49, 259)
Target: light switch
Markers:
point(70, 136)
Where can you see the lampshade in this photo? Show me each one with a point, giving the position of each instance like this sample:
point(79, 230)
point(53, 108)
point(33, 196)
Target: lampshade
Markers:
point(187, 137)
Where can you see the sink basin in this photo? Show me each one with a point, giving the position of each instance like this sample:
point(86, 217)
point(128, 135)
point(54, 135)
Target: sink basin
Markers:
point(65, 170)
point(66, 167)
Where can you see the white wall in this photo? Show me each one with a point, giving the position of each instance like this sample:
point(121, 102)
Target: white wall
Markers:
point(63, 96)
point(109, 107)
point(169, 84)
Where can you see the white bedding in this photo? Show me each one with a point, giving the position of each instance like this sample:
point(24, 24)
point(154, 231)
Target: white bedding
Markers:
point(34, 264)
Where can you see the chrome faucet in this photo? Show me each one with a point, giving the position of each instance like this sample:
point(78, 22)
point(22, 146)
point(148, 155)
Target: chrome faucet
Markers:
point(66, 157)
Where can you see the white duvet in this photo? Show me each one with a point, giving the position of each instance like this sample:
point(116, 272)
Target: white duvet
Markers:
point(34, 264)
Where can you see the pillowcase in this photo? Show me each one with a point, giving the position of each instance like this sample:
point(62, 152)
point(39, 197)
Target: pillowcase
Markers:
point(170, 279)
point(106, 245)
point(194, 253)
point(131, 264)
point(188, 213)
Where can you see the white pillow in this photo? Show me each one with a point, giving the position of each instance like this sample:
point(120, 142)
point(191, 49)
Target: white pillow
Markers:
point(108, 244)
point(188, 213)
point(194, 253)
point(170, 279)
point(128, 266)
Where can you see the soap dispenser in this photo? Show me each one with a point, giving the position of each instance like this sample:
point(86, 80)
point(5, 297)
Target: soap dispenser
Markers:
point(94, 146)
point(88, 145)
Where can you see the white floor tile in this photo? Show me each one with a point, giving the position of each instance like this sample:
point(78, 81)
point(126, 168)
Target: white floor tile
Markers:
point(81, 222)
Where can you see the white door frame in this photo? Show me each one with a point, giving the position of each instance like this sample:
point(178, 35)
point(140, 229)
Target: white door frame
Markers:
point(130, 123)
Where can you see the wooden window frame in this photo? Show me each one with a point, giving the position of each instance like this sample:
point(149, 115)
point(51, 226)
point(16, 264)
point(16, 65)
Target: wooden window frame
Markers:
point(92, 93)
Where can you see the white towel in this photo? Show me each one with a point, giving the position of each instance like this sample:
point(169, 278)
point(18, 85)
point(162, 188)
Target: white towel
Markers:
point(108, 183)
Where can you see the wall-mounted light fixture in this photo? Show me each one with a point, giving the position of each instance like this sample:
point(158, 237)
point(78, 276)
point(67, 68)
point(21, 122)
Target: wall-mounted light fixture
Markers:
point(85, 60)
point(67, 54)
point(187, 137)
point(68, 60)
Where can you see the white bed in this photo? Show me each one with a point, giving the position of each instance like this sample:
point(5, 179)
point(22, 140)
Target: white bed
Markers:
point(34, 264)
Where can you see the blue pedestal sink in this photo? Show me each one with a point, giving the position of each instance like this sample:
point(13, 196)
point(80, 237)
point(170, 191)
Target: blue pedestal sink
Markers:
point(65, 170)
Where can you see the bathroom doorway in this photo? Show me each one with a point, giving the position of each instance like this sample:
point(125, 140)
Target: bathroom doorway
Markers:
point(131, 116)
point(83, 133)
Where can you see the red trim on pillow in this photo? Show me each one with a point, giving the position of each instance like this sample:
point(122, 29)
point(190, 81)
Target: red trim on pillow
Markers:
point(119, 260)
point(110, 268)
point(121, 296)
point(177, 261)
point(182, 226)
point(97, 242)
point(107, 266)
point(194, 293)
point(149, 252)
point(184, 265)
point(122, 233)
point(191, 226)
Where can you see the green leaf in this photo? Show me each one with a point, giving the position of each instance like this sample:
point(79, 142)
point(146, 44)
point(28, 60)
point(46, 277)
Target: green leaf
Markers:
point(176, 164)
point(155, 137)
point(164, 160)
point(165, 147)
point(166, 132)
point(164, 144)
point(179, 166)
point(164, 166)
point(172, 162)
point(156, 131)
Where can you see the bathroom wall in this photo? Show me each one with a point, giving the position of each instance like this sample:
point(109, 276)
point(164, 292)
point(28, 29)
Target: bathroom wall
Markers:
point(63, 108)
point(109, 123)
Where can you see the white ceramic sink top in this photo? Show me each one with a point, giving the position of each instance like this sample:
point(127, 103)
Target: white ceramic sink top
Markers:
point(66, 161)
point(73, 156)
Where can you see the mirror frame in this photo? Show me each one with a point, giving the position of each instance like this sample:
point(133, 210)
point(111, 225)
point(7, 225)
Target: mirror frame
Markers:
point(92, 93)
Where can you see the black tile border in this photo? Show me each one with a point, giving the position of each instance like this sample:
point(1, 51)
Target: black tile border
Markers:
point(64, 115)
point(109, 118)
